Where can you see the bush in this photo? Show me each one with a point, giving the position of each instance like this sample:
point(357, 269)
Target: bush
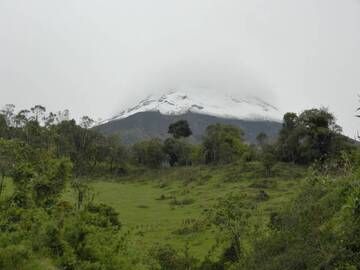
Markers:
point(15, 257)
point(167, 258)
point(319, 230)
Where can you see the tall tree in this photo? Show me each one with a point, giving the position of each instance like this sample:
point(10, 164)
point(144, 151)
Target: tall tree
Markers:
point(4, 129)
point(180, 129)
point(8, 112)
point(178, 151)
point(38, 113)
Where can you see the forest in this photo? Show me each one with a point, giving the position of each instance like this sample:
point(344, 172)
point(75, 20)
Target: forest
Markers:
point(72, 198)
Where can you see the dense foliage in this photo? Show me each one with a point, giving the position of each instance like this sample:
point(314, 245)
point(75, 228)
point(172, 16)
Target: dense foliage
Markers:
point(319, 230)
point(47, 156)
point(313, 135)
point(180, 129)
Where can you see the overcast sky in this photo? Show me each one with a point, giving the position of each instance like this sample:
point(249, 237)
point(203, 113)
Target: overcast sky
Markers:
point(96, 57)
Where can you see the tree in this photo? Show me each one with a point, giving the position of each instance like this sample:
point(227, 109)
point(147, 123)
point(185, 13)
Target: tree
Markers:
point(8, 113)
point(139, 152)
point(34, 133)
point(86, 122)
point(13, 155)
point(223, 144)
point(313, 135)
point(7, 160)
point(178, 151)
point(62, 116)
point(48, 187)
point(268, 160)
point(116, 152)
point(4, 129)
point(21, 118)
point(83, 146)
point(50, 119)
point(38, 113)
point(82, 192)
point(180, 129)
point(149, 153)
point(230, 215)
point(154, 153)
point(290, 121)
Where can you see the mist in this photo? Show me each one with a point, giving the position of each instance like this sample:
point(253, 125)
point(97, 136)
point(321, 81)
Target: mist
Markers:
point(96, 58)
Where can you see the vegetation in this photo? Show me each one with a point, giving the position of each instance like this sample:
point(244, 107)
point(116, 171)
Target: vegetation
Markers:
point(180, 129)
point(71, 198)
point(313, 135)
point(223, 144)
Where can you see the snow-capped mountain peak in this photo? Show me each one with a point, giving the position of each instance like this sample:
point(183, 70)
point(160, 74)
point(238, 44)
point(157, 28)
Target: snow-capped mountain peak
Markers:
point(203, 102)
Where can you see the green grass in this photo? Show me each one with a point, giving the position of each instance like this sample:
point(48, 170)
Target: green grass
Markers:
point(157, 206)
point(8, 189)
point(146, 204)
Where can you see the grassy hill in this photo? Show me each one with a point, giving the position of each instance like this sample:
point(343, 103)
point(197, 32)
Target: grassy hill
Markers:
point(170, 205)
point(294, 211)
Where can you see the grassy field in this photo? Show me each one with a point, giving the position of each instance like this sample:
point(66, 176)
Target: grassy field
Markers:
point(169, 205)
point(165, 206)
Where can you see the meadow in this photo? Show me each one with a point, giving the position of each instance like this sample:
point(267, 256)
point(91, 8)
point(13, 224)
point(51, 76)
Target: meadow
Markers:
point(170, 206)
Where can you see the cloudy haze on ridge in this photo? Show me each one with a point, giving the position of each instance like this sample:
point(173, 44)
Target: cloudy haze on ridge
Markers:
point(98, 57)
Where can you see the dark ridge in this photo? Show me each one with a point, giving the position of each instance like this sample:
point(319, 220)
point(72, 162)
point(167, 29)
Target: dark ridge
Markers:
point(146, 125)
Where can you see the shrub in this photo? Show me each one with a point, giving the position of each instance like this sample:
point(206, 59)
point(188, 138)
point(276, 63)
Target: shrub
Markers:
point(14, 257)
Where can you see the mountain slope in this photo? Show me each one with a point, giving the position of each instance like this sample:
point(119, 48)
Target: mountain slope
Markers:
point(204, 102)
point(145, 125)
point(151, 117)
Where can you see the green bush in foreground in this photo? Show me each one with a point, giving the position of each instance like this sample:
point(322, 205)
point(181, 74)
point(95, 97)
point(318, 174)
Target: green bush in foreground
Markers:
point(319, 230)
point(36, 224)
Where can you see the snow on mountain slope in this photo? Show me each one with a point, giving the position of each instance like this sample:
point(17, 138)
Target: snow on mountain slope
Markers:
point(203, 102)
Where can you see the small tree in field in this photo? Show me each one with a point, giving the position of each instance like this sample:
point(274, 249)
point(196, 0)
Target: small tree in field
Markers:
point(231, 215)
point(176, 148)
point(269, 160)
point(82, 192)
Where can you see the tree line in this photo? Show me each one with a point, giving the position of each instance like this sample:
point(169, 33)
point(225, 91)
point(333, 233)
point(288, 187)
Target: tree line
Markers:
point(310, 136)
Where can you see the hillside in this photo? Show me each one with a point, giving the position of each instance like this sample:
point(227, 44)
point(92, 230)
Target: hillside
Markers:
point(151, 116)
point(145, 125)
point(205, 101)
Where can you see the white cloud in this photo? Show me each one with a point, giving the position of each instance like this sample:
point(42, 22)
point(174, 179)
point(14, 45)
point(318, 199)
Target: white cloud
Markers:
point(95, 57)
